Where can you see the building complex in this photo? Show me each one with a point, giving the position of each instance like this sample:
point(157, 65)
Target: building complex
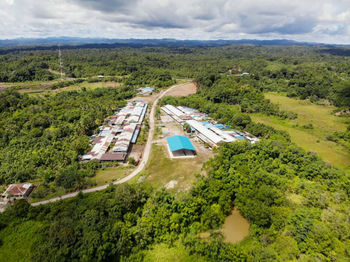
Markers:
point(205, 128)
point(122, 129)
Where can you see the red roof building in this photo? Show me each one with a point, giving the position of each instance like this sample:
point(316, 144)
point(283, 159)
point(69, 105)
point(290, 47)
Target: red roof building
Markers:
point(17, 191)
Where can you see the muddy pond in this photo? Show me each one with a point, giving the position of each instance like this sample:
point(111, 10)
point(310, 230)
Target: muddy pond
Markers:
point(235, 228)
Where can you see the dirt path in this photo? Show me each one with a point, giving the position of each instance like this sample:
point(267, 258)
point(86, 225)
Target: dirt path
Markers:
point(139, 168)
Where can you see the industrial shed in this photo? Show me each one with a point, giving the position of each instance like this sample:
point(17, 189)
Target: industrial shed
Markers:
point(204, 133)
point(180, 146)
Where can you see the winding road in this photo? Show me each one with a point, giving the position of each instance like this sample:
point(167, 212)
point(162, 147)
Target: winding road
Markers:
point(139, 168)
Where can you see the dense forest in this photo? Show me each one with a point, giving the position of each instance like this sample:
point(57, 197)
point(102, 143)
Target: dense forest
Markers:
point(301, 71)
point(298, 206)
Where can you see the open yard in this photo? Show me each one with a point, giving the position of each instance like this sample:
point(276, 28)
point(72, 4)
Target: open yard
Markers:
point(110, 174)
point(179, 174)
point(323, 122)
point(184, 90)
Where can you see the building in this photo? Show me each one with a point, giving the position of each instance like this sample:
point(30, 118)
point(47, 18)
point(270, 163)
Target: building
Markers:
point(205, 128)
point(205, 134)
point(17, 191)
point(180, 146)
point(122, 129)
point(124, 139)
point(181, 113)
point(145, 90)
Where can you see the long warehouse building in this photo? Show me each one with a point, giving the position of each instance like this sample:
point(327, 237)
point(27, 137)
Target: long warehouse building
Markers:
point(204, 133)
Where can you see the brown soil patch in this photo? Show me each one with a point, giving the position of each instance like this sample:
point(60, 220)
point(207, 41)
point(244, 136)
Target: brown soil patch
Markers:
point(111, 84)
point(184, 90)
point(136, 151)
point(4, 85)
point(343, 112)
point(148, 99)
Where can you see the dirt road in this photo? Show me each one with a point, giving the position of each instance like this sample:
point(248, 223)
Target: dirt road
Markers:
point(139, 168)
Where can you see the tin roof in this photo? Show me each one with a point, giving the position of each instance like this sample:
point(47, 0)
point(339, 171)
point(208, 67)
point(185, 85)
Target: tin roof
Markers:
point(179, 143)
point(205, 131)
point(17, 189)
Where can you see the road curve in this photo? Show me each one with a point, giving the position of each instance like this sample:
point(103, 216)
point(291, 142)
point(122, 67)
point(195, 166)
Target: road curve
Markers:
point(139, 168)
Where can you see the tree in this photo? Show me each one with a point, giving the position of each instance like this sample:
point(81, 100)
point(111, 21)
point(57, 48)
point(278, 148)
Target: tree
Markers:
point(131, 161)
point(187, 128)
point(342, 94)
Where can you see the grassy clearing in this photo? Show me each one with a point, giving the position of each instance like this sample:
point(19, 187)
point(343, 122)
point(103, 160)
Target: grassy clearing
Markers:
point(160, 169)
point(43, 90)
point(163, 253)
point(58, 192)
point(315, 139)
point(321, 117)
point(103, 176)
point(88, 86)
point(16, 245)
point(110, 174)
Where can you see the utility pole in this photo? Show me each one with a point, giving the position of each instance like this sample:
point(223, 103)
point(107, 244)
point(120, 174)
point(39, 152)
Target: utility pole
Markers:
point(61, 63)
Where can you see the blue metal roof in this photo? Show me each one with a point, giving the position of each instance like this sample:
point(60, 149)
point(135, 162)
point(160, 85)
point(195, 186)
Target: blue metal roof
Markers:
point(221, 126)
point(147, 88)
point(179, 143)
point(135, 135)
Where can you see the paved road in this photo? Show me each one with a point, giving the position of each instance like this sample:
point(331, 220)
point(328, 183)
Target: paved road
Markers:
point(139, 168)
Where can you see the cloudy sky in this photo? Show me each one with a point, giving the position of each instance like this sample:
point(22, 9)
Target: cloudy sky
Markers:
point(304, 20)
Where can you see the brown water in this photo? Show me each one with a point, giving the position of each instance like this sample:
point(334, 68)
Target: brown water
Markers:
point(236, 227)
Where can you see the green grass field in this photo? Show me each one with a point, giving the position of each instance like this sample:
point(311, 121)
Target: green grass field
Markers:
point(323, 121)
point(110, 174)
point(160, 169)
point(76, 87)
point(163, 253)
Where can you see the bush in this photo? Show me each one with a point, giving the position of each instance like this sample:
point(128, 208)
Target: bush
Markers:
point(308, 126)
point(131, 161)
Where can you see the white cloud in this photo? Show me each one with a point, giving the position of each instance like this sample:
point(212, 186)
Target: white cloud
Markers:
point(305, 20)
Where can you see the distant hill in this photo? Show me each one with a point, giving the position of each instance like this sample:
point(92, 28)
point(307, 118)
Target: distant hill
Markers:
point(51, 41)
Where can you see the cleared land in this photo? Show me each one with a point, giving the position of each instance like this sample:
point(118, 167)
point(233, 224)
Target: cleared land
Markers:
point(161, 169)
point(42, 91)
point(184, 90)
point(315, 139)
point(177, 174)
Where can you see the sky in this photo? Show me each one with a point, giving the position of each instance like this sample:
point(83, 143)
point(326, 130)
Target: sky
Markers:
point(326, 21)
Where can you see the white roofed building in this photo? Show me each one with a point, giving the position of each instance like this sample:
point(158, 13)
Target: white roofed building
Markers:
point(204, 133)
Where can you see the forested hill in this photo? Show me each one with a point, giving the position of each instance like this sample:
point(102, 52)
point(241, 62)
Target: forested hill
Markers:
point(142, 42)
